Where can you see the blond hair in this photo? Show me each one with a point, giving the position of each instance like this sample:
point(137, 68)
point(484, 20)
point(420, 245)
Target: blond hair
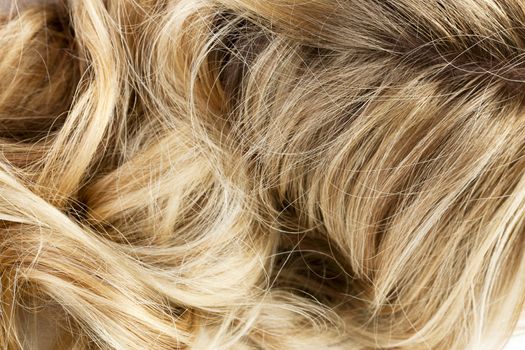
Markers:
point(245, 174)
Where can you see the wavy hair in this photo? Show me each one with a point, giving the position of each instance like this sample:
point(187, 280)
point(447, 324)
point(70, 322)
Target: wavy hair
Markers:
point(246, 174)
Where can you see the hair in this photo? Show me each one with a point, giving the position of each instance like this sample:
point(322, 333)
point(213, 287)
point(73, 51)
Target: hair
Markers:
point(245, 174)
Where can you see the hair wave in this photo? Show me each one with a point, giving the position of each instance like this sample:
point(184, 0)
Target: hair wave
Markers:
point(245, 174)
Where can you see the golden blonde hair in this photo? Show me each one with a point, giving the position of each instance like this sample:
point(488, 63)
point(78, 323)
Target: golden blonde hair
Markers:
point(248, 174)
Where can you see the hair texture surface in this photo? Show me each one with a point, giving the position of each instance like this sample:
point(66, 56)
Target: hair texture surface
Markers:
point(248, 174)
